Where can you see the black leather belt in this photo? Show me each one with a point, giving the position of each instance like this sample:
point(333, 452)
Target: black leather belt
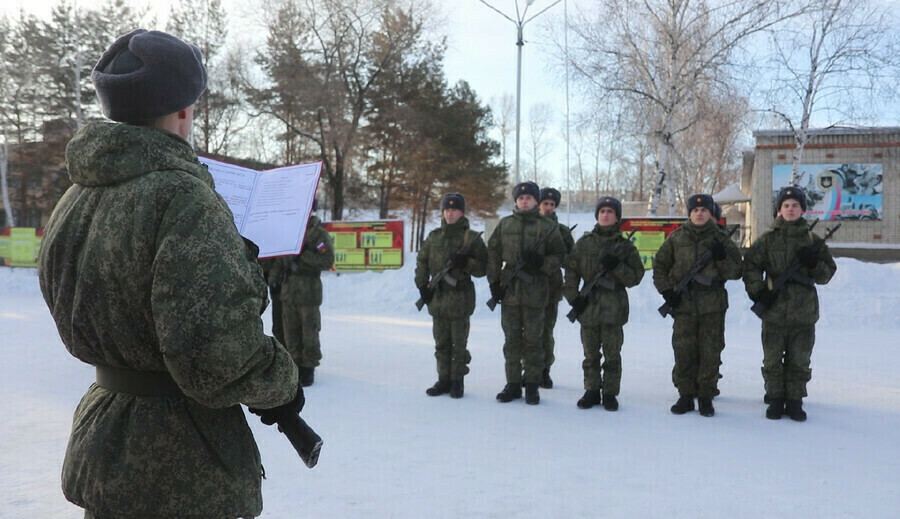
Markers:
point(139, 383)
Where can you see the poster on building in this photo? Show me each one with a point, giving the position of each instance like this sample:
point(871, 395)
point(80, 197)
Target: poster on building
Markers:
point(650, 234)
point(836, 191)
point(374, 245)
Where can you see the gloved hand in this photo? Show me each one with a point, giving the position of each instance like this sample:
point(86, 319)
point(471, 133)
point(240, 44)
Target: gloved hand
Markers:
point(459, 260)
point(533, 259)
point(270, 416)
point(673, 298)
point(275, 288)
point(579, 304)
point(718, 250)
point(764, 297)
point(808, 256)
point(425, 293)
point(497, 291)
point(609, 261)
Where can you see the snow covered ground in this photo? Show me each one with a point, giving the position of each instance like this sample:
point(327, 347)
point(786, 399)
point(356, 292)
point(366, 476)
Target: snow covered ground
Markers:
point(392, 452)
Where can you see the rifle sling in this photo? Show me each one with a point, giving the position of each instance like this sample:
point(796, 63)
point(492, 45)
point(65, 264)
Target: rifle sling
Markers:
point(138, 383)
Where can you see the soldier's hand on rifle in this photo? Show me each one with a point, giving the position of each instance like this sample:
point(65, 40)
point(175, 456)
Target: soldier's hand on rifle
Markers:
point(459, 260)
point(270, 416)
point(497, 291)
point(275, 288)
point(808, 255)
point(533, 259)
point(609, 261)
point(718, 250)
point(764, 297)
point(425, 293)
point(579, 304)
point(673, 298)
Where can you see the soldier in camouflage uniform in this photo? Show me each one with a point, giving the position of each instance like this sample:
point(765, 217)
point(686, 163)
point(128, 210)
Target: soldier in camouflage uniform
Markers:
point(147, 279)
point(547, 204)
point(697, 334)
point(267, 265)
point(789, 322)
point(301, 295)
point(523, 302)
point(451, 306)
point(604, 311)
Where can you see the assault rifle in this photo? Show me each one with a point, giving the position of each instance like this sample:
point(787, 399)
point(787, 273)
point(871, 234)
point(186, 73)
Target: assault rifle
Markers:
point(694, 275)
point(599, 278)
point(444, 273)
point(517, 271)
point(304, 440)
point(792, 272)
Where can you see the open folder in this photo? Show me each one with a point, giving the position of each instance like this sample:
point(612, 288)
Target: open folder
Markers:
point(271, 208)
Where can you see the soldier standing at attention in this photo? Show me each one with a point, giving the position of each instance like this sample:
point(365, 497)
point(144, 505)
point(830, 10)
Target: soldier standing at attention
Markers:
point(534, 244)
point(549, 201)
point(148, 279)
point(604, 311)
point(451, 306)
point(267, 265)
point(789, 321)
point(301, 296)
point(698, 332)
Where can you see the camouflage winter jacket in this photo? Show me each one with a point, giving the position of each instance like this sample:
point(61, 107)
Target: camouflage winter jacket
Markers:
point(604, 306)
point(771, 254)
point(300, 275)
point(556, 279)
point(142, 268)
point(677, 255)
point(514, 235)
point(451, 302)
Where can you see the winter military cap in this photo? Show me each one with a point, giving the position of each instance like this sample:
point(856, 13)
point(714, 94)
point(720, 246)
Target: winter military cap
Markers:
point(453, 201)
point(548, 193)
point(526, 188)
point(717, 213)
point(610, 202)
point(148, 74)
point(695, 201)
point(790, 192)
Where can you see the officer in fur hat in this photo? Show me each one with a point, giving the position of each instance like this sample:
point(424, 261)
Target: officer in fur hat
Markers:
point(536, 241)
point(451, 306)
point(788, 324)
point(148, 280)
point(697, 333)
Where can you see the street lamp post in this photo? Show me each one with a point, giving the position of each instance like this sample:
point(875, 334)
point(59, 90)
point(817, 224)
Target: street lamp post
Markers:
point(520, 22)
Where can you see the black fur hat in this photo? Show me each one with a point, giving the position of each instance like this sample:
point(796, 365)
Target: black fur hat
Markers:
point(548, 193)
point(611, 202)
point(453, 201)
point(526, 188)
point(789, 192)
point(699, 200)
point(148, 74)
point(717, 214)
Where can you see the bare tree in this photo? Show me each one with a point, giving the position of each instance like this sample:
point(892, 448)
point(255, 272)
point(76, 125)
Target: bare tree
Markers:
point(840, 60)
point(655, 55)
point(540, 119)
point(504, 109)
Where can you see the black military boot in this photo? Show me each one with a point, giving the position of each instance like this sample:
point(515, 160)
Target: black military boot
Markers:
point(510, 392)
point(456, 388)
point(610, 403)
point(590, 399)
point(307, 376)
point(775, 409)
point(440, 387)
point(546, 381)
point(794, 410)
point(767, 400)
point(532, 397)
point(706, 407)
point(684, 404)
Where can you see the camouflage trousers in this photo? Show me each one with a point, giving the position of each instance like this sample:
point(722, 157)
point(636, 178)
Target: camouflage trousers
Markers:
point(547, 342)
point(523, 328)
point(277, 319)
point(450, 340)
point(787, 350)
point(301, 333)
point(602, 363)
point(698, 341)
